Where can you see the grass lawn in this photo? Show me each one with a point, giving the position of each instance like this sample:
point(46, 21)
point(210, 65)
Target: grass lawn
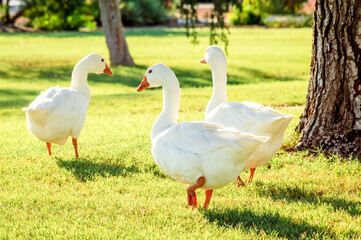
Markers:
point(115, 190)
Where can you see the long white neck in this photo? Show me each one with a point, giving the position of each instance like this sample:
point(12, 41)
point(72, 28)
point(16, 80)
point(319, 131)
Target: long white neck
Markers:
point(219, 78)
point(79, 80)
point(171, 100)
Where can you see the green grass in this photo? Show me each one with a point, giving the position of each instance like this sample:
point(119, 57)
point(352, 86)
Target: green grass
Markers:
point(115, 190)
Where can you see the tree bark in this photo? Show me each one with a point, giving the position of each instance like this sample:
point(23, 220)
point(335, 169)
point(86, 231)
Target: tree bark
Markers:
point(114, 33)
point(332, 116)
point(12, 19)
point(6, 11)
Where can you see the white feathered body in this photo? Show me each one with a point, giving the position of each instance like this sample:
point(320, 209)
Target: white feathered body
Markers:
point(189, 150)
point(256, 119)
point(245, 116)
point(56, 114)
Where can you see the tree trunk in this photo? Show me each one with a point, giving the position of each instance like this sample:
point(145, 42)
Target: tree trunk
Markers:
point(332, 116)
point(114, 33)
point(7, 11)
point(15, 17)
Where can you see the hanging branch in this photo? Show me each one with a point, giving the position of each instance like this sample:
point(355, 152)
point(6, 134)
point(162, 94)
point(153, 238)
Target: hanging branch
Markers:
point(187, 9)
point(218, 29)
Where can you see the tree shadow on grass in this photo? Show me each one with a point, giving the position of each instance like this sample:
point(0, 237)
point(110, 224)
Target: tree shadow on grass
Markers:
point(270, 223)
point(130, 32)
point(16, 92)
point(85, 170)
point(158, 32)
point(132, 75)
point(155, 170)
point(296, 193)
point(192, 78)
point(129, 76)
point(16, 98)
point(189, 78)
point(17, 73)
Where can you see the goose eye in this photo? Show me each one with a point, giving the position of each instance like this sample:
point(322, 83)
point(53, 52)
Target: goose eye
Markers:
point(102, 60)
point(150, 71)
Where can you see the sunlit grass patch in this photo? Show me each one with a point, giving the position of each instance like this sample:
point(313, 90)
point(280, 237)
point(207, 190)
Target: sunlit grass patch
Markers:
point(115, 189)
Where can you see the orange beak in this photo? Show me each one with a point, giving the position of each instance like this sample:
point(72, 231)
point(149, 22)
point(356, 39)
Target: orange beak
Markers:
point(108, 71)
point(203, 61)
point(143, 85)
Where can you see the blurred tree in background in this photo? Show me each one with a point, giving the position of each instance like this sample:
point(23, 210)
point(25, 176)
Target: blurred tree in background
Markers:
point(114, 33)
point(143, 12)
point(4, 11)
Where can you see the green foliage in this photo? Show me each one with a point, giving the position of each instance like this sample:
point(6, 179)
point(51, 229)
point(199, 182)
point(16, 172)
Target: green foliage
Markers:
point(249, 14)
point(279, 7)
point(187, 9)
point(275, 7)
point(143, 12)
point(60, 15)
point(72, 15)
point(95, 11)
point(254, 12)
point(219, 29)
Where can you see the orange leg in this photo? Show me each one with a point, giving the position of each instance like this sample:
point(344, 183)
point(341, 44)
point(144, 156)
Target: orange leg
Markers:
point(75, 144)
point(251, 176)
point(208, 198)
point(191, 192)
point(240, 182)
point(49, 147)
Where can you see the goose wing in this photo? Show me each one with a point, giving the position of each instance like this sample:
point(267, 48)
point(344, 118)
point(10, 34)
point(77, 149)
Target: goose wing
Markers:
point(65, 102)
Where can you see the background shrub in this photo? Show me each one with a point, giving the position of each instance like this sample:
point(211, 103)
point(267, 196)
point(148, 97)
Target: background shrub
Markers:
point(143, 12)
point(75, 14)
point(249, 15)
point(60, 15)
point(280, 7)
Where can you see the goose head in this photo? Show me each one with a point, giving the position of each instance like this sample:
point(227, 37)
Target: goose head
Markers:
point(95, 63)
point(157, 75)
point(213, 56)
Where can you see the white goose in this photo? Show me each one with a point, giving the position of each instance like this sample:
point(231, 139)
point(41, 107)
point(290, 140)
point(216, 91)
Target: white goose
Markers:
point(58, 113)
point(204, 155)
point(245, 116)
